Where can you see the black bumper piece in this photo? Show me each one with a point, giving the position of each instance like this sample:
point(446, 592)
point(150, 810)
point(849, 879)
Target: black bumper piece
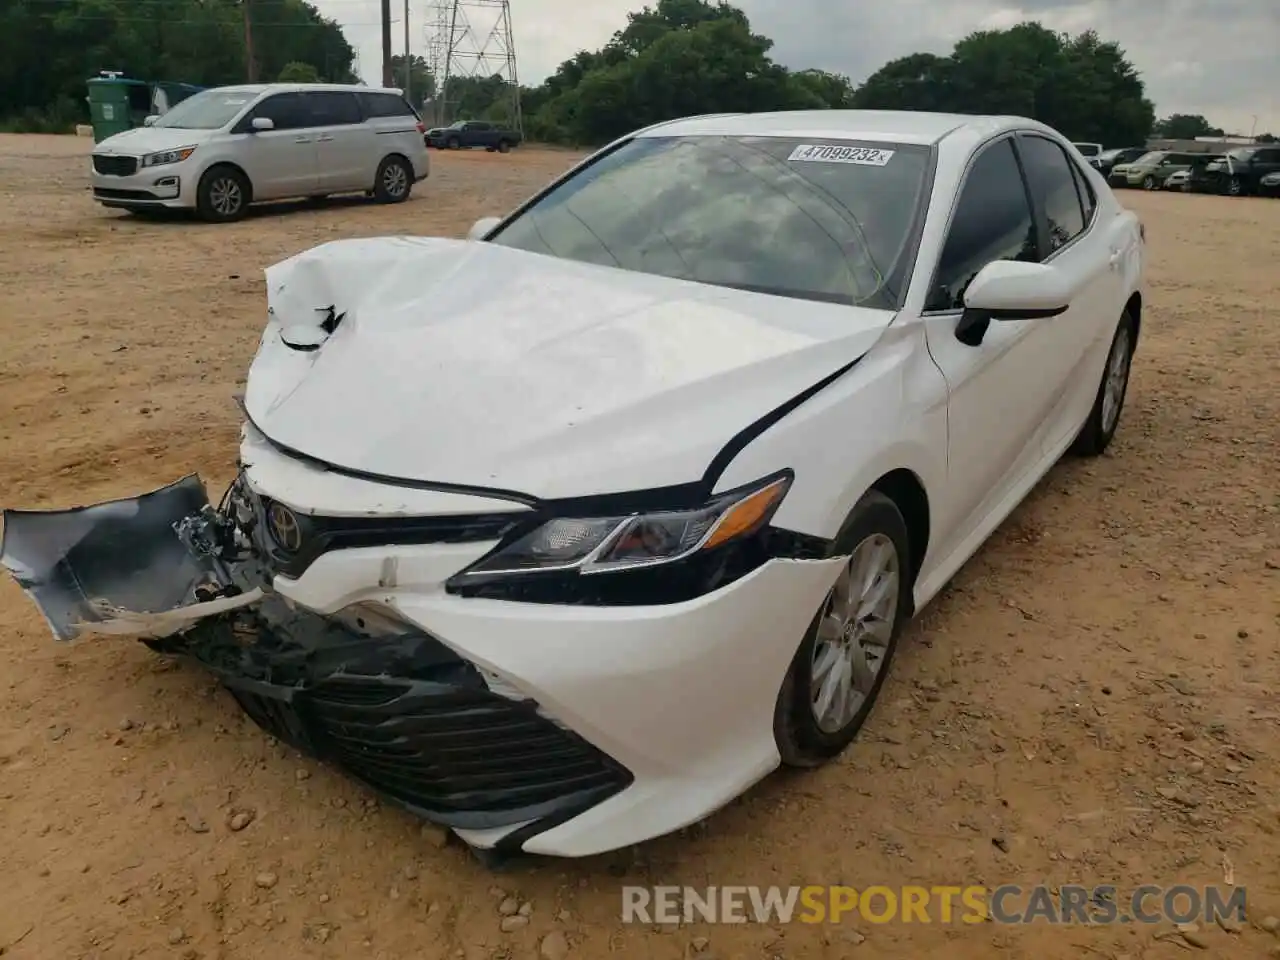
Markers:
point(408, 718)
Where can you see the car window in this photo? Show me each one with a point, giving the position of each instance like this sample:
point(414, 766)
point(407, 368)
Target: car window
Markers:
point(285, 110)
point(386, 105)
point(1088, 198)
point(832, 221)
point(331, 108)
point(1267, 156)
point(207, 110)
point(992, 221)
point(478, 127)
point(1054, 189)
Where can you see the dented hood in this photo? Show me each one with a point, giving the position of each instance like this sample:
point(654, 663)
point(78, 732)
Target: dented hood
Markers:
point(468, 363)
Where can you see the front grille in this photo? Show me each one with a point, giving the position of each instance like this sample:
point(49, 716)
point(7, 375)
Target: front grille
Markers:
point(460, 754)
point(115, 166)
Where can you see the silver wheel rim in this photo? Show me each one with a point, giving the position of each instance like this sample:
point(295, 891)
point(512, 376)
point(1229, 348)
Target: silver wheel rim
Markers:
point(1117, 380)
point(854, 630)
point(225, 196)
point(394, 180)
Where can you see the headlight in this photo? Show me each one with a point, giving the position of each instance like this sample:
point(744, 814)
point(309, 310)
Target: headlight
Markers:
point(590, 545)
point(167, 156)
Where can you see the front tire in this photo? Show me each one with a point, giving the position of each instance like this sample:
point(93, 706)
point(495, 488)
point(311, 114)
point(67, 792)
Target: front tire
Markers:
point(1235, 187)
point(836, 675)
point(394, 181)
point(1149, 183)
point(223, 195)
point(453, 143)
point(1104, 418)
point(504, 146)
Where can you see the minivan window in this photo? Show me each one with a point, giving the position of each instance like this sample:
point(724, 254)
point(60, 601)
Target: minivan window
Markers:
point(331, 108)
point(286, 111)
point(386, 105)
point(208, 110)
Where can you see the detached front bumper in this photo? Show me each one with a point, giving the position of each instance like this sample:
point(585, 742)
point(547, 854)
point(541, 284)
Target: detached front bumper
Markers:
point(561, 730)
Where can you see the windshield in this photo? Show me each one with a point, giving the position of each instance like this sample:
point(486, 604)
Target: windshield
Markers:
point(208, 110)
point(456, 125)
point(829, 221)
point(1241, 156)
point(1149, 158)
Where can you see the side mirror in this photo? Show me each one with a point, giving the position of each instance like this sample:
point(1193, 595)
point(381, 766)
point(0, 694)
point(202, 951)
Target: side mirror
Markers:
point(483, 227)
point(151, 120)
point(262, 123)
point(1011, 290)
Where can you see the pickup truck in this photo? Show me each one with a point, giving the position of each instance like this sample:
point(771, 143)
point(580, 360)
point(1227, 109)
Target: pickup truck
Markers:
point(472, 133)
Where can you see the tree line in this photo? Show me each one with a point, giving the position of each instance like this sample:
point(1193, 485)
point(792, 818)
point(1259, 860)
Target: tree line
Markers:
point(49, 48)
point(675, 58)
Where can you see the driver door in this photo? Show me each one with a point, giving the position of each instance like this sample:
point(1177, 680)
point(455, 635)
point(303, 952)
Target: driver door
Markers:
point(998, 390)
point(283, 161)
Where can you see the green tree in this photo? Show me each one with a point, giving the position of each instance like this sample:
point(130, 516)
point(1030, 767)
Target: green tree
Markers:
point(1185, 126)
point(298, 72)
point(422, 85)
point(48, 49)
point(1082, 86)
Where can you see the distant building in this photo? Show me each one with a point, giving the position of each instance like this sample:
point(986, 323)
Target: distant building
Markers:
point(1201, 144)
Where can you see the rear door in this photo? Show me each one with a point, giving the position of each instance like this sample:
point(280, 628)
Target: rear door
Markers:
point(280, 162)
point(1075, 242)
point(347, 148)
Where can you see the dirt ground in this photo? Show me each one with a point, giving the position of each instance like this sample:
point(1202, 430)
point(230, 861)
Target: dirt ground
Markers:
point(1093, 700)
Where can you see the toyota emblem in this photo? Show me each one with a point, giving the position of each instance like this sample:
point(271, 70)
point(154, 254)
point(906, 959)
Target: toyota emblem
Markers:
point(285, 528)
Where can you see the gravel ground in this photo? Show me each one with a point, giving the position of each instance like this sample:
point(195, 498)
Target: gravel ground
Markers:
point(1093, 700)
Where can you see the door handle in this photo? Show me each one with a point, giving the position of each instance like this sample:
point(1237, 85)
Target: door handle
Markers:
point(302, 140)
point(325, 139)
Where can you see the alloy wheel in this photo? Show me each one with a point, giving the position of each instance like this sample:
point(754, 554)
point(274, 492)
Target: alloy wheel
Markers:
point(1117, 380)
point(854, 633)
point(225, 197)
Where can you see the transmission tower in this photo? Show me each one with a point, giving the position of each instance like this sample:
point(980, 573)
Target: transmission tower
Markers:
point(472, 39)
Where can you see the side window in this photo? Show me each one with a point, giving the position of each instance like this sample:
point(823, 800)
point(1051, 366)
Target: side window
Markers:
point(1088, 198)
point(992, 221)
point(1054, 189)
point(285, 110)
point(478, 127)
point(386, 105)
point(333, 108)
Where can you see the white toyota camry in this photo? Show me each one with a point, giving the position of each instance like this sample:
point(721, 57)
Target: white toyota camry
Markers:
point(566, 534)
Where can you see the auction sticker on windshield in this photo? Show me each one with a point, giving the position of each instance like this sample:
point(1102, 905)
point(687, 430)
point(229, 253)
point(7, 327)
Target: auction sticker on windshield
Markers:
point(832, 153)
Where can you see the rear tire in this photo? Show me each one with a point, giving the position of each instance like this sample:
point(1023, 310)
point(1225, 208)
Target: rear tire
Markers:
point(223, 195)
point(852, 637)
point(1098, 430)
point(394, 181)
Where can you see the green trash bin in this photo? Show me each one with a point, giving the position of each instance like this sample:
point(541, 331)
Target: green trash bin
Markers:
point(116, 105)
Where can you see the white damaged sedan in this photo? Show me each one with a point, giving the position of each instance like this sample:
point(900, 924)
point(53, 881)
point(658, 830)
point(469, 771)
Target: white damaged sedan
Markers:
point(566, 534)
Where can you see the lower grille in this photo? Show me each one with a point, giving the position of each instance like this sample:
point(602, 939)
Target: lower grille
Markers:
point(115, 166)
point(459, 754)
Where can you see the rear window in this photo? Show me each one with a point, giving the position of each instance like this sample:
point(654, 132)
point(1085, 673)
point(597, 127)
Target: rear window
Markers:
point(386, 105)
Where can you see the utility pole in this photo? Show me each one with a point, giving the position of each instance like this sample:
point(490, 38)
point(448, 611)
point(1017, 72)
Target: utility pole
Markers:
point(388, 80)
point(408, 71)
point(251, 64)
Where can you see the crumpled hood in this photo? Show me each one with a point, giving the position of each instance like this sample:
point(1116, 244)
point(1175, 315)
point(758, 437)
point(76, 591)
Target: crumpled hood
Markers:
point(473, 364)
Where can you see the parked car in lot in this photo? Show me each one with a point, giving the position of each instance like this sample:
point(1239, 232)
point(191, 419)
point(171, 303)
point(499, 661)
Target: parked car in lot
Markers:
point(1198, 179)
point(1108, 159)
point(566, 534)
point(1239, 172)
point(466, 134)
point(1269, 185)
point(225, 148)
point(1150, 170)
point(1176, 181)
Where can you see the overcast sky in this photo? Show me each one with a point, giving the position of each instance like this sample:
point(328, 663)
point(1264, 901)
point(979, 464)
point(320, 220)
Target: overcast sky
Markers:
point(1216, 58)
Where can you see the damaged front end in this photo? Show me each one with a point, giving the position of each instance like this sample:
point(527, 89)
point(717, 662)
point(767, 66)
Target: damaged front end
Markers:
point(379, 698)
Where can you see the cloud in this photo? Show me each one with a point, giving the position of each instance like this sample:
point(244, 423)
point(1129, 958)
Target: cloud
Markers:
point(1216, 59)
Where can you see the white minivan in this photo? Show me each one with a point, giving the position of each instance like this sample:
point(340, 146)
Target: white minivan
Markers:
point(225, 148)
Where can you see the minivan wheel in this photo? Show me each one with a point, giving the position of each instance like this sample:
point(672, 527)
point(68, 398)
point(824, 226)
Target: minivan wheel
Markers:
point(837, 672)
point(394, 181)
point(223, 195)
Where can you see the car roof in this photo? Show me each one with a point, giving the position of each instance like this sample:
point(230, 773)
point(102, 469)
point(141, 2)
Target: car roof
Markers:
point(897, 126)
point(257, 88)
